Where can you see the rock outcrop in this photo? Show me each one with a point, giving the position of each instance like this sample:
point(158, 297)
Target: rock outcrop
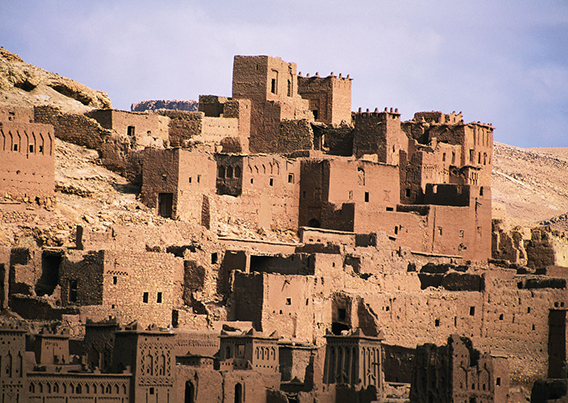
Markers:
point(22, 83)
point(142, 106)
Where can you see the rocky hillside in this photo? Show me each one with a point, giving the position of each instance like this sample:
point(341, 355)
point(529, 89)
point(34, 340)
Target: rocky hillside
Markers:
point(531, 184)
point(24, 84)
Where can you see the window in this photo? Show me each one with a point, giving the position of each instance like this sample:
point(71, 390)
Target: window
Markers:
point(390, 208)
point(198, 178)
point(271, 181)
point(471, 311)
point(221, 171)
point(437, 322)
point(481, 191)
point(190, 179)
point(237, 172)
point(498, 381)
point(159, 298)
point(115, 280)
point(289, 90)
point(444, 157)
point(341, 314)
point(214, 258)
point(366, 197)
point(407, 192)
point(501, 317)
point(273, 86)
point(288, 301)
point(395, 230)
point(315, 113)
point(440, 231)
point(131, 130)
point(151, 391)
point(290, 178)
point(229, 172)
point(145, 297)
point(73, 290)
point(31, 148)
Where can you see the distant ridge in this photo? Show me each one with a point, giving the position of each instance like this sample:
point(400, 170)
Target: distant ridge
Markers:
point(152, 105)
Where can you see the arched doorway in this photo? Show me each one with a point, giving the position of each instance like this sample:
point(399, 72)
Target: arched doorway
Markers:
point(238, 393)
point(189, 392)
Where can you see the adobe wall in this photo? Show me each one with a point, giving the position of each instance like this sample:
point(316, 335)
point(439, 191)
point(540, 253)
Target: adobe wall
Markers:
point(142, 128)
point(329, 98)
point(27, 154)
point(16, 114)
point(509, 322)
point(81, 278)
point(271, 85)
point(183, 125)
point(187, 176)
point(379, 133)
point(266, 190)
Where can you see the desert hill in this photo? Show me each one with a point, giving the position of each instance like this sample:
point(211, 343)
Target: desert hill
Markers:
point(531, 184)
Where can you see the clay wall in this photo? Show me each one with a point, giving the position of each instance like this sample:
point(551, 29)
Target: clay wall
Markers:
point(379, 133)
point(188, 177)
point(150, 357)
point(183, 126)
point(27, 154)
point(267, 190)
point(143, 129)
point(508, 322)
point(334, 192)
point(84, 387)
point(271, 85)
point(329, 98)
point(17, 114)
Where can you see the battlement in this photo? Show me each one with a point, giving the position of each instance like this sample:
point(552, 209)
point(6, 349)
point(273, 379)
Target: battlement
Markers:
point(330, 77)
point(381, 116)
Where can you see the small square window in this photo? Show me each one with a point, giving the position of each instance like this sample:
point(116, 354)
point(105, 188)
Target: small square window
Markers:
point(159, 298)
point(366, 197)
point(288, 301)
point(145, 297)
point(190, 179)
point(290, 178)
point(471, 311)
point(214, 257)
point(271, 181)
point(151, 391)
point(437, 322)
point(198, 178)
point(115, 280)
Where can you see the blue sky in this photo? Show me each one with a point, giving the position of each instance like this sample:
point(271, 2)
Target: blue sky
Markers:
point(503, 62)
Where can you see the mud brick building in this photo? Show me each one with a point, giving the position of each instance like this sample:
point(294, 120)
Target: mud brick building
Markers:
point(457, 372)
point(27, 155)
point(425, 182)
point(387, 288)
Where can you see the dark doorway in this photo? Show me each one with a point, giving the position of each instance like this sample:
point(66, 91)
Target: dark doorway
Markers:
point(557, 344)
point(50, 261)
point(314, 223)
point(165, 203)
point(189, 392)
point(238, 393)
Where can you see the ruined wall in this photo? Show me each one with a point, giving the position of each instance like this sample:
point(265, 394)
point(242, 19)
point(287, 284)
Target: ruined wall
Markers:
point(76, 129)
point(183, 126)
